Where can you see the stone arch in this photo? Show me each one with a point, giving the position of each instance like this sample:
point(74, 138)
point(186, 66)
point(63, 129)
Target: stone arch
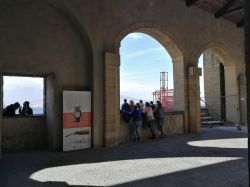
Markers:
point(75, 22)
point(53, 102)
point(166, 39)
point(231, 78)
point(217, 48)
point(112, 75)
point(173, 47)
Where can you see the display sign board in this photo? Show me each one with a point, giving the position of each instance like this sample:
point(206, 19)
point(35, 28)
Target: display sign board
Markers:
point(76, 120)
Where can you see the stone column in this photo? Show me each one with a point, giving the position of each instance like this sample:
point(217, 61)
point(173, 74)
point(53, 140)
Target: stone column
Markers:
point(194, 99)
point(51, 113)
point(112, 98)
point(232, 97)
point(247, 56)
point(180, 89)
point(212, 84)
point(179, 86)
point(242, 100)
point(1, 112)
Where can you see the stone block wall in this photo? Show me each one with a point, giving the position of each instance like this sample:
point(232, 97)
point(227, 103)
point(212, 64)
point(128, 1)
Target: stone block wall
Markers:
point(66, 40)
point(173, 124)
point(24, 133)
point(212, 84)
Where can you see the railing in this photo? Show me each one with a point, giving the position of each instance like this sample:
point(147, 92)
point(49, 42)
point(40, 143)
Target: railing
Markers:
point(211, 110)
point(222, 100)
point(166, 97)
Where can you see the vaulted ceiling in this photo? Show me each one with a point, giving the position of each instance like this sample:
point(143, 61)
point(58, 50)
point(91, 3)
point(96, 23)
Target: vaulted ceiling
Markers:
point(232, 10)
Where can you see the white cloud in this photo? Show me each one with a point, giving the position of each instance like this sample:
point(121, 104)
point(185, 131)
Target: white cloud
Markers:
point(143, 52)
point(16, 82)
point(125, 74)
point(135, 36)
point(137, 90)
point(132, 75)
point(136, 87)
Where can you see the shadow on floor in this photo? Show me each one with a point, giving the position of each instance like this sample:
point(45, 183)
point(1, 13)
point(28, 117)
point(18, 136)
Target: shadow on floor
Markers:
point(16, 169)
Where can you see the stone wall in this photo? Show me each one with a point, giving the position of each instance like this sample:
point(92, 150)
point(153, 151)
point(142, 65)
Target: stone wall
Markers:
point(66, 41)
point(24, 133)
point(173, 125)
point(212, 84)
point(38, 40)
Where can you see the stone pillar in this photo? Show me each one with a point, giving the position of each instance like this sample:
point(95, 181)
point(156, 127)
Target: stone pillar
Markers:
point(112, 98)
point(194, 99)
point(179, 86)
point(1, 112)
point(212, 84)
point(247, 56)
point(179, 89)
point(242, 100)
point(51, 116)
point(232, 97)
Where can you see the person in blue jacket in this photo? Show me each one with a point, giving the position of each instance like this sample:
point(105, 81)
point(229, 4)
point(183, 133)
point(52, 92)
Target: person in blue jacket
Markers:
point(136, 116)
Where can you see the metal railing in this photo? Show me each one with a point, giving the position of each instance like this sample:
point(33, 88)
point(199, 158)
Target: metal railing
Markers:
point(212, 111)
point(223, 108)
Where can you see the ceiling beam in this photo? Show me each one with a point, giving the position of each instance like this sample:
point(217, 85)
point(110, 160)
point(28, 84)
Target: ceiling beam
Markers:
point(235, 9)
point(190, 2)
point(232, 10)
point(241, 23)
point(224, 9)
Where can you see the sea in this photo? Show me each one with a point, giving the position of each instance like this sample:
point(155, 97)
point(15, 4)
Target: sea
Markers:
point(38, 111)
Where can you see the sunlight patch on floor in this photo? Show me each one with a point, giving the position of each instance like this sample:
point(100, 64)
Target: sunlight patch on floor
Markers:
point(123, 171)
point(235, 143)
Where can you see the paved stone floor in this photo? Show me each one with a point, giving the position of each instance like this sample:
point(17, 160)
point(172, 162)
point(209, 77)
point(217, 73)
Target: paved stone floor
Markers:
point(217, 157)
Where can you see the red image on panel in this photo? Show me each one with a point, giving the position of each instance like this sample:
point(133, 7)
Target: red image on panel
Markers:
point(82, 120)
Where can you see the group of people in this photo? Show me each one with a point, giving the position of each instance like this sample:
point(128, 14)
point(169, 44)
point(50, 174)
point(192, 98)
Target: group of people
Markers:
point(25, 110)
point(140, 113)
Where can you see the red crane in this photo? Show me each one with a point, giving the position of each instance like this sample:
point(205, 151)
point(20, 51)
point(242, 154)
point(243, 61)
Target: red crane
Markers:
point(164, 95)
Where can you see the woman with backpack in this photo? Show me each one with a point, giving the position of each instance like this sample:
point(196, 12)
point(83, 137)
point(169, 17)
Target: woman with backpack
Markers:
point(149, 117)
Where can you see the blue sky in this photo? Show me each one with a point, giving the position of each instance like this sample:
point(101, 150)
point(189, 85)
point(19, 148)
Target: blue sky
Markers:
point(20, 89)
point(142, 60)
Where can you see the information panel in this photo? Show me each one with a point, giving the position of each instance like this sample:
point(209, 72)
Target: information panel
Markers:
point(76, 120)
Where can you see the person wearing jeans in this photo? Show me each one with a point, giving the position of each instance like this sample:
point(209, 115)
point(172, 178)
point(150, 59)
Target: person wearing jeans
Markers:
point(136, 122)
point(149, 117)
point(159, 115)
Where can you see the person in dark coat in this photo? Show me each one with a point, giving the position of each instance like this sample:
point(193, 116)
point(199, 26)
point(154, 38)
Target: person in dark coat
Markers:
point(124, 110)
point(26, 109)
point(159, 115)
point(10, 110)
point(152, 105)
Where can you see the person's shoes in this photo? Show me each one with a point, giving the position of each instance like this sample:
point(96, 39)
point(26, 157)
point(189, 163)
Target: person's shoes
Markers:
point(138, 139)
point(153, 137)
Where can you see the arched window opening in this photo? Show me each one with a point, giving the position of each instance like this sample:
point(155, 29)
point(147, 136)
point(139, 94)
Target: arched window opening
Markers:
point(212, 85)
point(146, 71)
point(201, 80)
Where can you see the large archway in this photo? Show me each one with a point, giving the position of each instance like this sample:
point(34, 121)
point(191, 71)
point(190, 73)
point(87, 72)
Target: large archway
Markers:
point(112, 74)
point(172, 47)
point(220, 83)
point(146, 71)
